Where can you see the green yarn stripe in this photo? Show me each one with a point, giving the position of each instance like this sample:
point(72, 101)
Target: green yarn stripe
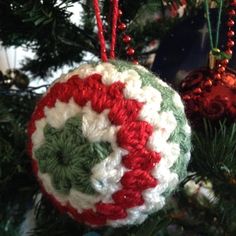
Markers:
point(68, 157)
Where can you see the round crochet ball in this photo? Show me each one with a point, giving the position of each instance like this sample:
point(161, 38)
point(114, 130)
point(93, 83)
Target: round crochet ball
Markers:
point(109, 142)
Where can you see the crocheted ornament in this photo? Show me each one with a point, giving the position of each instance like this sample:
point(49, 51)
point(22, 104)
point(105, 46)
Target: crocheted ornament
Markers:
point(109, 142)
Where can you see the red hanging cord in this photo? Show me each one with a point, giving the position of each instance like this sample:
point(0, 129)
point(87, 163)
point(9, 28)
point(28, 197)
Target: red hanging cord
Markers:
point(114, 28)
point(101, 32)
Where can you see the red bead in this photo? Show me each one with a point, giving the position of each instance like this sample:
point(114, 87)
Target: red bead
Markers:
point(233, 4)
point(122, 26)
point(221, 69)
point(230, 22)
point(229, 52)
point(126, 38)
point(231, 13)
point(225, 98)
point(120, 13)
point(135, 62)
point(224, 62)
point(217, 76)
point(230, 33)
point(207, 83)
point(130, 51)
point(197, 91)
point(230, 43)
point(186, 97)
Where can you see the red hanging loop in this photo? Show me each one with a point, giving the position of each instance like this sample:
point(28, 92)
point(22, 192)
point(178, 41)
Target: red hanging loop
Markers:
point(101, 32)
point(114, 27)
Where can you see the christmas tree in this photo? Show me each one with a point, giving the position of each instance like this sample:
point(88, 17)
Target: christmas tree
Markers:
point(149, 33)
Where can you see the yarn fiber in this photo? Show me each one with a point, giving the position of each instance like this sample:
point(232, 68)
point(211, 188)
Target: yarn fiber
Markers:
point(109, 142)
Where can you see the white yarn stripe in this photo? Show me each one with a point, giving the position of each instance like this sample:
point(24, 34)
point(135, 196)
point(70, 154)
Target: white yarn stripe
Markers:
point(162, 83)
point(107, 174)
point(97, 127)
point(187, 129)
point(61, 112)
point(178, 102)
point(38, 135)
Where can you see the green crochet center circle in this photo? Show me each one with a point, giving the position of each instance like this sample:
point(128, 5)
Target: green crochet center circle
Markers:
point(68, 157)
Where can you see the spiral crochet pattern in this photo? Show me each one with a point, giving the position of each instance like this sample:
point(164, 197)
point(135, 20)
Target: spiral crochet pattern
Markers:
point(109, 142)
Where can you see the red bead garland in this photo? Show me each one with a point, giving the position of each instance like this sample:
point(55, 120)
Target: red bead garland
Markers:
point(220, 68)
point(127, 39)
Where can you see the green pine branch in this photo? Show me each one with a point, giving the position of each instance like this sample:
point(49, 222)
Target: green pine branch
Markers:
point(45, 27)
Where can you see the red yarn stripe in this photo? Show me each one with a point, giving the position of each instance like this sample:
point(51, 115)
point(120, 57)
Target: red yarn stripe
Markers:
point(128, 198)
point(125, 110)
point(114, 28)
point(93, 218)
point(132, 136)
point(112, 211)
point(141, 159)
point(100, 30)
point(115, 91)
point(138, 180)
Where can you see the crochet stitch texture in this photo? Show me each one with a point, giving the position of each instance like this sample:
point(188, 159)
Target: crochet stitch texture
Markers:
point(109, 142)
point(70, 156)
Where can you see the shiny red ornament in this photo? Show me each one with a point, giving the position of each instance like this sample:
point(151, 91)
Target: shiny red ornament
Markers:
point(206, 97)
point(233, 4)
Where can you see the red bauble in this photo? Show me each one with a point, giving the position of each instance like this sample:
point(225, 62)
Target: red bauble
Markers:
point(206, 97)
